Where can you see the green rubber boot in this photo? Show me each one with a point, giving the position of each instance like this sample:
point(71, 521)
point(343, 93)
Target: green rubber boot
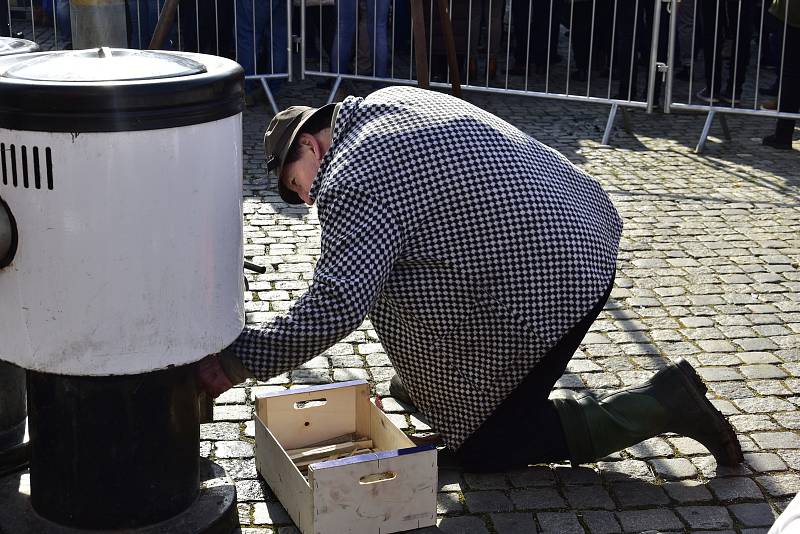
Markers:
point(673, 400)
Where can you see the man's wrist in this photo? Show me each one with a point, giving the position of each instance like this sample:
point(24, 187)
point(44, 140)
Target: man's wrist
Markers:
point(233, 367)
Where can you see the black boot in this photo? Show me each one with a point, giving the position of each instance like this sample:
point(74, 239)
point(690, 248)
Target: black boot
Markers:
point(673, 400)
point(398, 390)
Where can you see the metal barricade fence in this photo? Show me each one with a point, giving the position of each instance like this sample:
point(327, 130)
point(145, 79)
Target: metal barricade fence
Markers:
point(722, 51)
point(253, 32)
point(599, 51)
point(621, 53)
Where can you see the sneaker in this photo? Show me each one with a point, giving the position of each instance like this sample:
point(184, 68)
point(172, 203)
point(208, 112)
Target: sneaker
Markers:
point(727, 97)
point(774, 142)
point(705, 96)
point(769, 105)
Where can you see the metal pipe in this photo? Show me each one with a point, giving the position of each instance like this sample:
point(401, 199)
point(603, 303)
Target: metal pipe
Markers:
point(673, 23)
point(609, 124)
point(651, 79)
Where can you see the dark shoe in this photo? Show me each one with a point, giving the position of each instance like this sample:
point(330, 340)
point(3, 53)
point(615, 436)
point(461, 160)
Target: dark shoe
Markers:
point(705, 96)
point(398, 391)
point(774, 142)
point(729, 97)
point(769, 105)
point(673, 400)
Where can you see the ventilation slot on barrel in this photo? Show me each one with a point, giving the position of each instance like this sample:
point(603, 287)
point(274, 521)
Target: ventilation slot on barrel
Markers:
point(19, 174)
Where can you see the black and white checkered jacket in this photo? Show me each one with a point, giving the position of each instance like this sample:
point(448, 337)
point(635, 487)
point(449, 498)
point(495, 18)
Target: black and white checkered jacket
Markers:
point(471, 246)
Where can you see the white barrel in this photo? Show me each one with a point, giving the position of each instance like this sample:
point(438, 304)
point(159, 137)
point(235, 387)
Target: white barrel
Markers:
point(129, 246)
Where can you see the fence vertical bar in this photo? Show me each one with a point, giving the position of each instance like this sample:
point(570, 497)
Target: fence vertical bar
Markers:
point(651, 81)
point(612, 54)
point(758, 58)
point(673, 24)
point(303, 40)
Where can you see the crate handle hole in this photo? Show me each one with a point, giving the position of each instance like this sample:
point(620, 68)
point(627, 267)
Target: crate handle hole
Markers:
point(311, 403)
point(377, 477)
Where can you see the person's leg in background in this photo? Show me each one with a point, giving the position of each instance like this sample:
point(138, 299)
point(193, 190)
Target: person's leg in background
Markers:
point(278, 28)
point(687, 18)
point(713, 28)
point(342, 49)
point(377, 28)
point(63, 25)
point(251, 18)
point(521, 26)
point(789, 91)
point(629, 15)
point(742, 14)
point(5, 19)
point(547, 19)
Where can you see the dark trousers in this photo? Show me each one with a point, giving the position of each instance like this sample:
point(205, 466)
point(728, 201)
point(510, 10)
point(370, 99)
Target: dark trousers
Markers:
point(634, 27)
point(719, 17)
point(525, 429)
point(590, 35)
point(542, 19)
point(790, 84)
point(5, 24)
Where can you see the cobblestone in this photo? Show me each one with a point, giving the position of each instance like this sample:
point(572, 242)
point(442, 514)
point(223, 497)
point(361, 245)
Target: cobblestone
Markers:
point(708, 270)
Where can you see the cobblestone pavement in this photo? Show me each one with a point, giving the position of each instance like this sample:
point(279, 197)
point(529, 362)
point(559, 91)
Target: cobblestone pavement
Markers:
point(708, 270)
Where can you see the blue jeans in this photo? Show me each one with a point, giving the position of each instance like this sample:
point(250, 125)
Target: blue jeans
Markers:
point(270, 17)
point(63, 26)
point(377, 19)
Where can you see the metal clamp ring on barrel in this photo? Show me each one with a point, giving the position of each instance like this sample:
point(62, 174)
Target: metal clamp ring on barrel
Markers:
point(8, 235)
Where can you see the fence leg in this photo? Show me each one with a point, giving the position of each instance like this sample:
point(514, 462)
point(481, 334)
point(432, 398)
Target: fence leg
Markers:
point(334, 89)
point(609, 124)
point(723, 121)
point(268, 92)
point(701, 144)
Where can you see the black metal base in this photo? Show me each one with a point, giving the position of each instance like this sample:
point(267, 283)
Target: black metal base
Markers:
point(113, 452)
point(212, 512)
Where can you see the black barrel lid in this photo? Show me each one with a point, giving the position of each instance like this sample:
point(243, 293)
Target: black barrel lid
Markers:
point(114, 89)
point(10, 45)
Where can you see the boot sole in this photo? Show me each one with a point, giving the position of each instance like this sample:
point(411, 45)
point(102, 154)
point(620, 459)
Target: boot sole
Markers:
point(730, 453)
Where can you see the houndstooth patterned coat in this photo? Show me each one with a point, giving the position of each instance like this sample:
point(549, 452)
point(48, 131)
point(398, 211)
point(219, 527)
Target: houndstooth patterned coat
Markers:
point(471, 246)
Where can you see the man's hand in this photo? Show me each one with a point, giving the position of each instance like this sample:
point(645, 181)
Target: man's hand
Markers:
point(211, 377)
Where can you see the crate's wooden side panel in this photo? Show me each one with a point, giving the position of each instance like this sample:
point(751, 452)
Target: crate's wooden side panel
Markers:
point(364, 409)
point(294, 426)
point(385, 435)
point(343, 502)
point(284, 479)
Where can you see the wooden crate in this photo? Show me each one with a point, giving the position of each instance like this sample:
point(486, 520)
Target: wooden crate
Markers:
point(390, 490)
